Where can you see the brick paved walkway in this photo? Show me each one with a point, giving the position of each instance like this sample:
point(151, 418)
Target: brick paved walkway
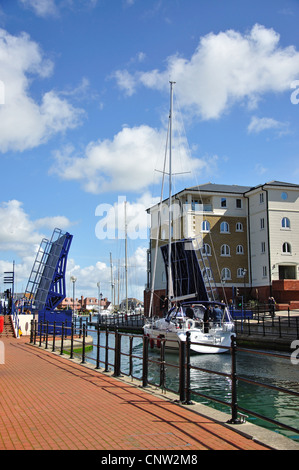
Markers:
point(49, 402)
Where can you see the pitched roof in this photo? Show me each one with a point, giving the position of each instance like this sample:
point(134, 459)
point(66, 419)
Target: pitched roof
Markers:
point(234, 188)
point(221, 188)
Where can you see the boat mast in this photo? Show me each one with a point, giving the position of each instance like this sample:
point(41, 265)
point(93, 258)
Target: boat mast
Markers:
point(170, 194)
point(126, 256)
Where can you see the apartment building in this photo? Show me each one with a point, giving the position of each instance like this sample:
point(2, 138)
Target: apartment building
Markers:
point(247, 234)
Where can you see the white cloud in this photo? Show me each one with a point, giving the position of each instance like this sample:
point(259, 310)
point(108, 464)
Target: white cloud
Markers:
point(20, 234)
point(126, 163)
point(41, 8)
point(258, 125)
point(260, 169)
point(51, 8)
point(226, 68)
point(25, 123)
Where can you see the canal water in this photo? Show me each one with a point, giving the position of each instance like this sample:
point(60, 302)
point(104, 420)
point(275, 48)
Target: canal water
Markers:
point(276, 371)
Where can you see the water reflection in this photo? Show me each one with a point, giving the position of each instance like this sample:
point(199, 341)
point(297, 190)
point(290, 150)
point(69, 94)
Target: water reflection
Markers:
point(264, 369)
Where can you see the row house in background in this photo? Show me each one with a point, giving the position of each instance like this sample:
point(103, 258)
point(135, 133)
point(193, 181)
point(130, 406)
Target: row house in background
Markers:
point(249, 236)
point(87, 303)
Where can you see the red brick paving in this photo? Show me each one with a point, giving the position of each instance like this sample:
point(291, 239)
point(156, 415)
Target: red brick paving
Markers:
point(49, 402)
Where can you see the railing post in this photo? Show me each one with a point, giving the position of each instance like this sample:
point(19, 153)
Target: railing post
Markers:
point(54, 335)
point(162, 365)
point(35, 331)
point(40, 333)
point(83, 344)
point(145, 361)
point(117, 354)
point(106, 350)
point(98, 346)
point(188, 370)
point(47, 333)
point(80, 327)
point(62, 335)
point(182, 371)
point(279, 327)
point(130, 356)
point(31, 331)
point(72, 341)
point(234, 400)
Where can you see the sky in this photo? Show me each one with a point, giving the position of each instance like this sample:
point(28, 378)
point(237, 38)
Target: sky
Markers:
point(84, 104)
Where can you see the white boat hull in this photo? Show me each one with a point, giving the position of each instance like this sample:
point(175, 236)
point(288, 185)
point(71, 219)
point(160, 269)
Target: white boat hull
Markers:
point(216, 341)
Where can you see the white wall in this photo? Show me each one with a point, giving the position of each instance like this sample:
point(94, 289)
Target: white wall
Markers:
point(25, 324)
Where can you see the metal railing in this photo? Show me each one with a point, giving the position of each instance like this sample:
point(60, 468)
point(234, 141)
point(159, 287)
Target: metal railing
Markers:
point(43, 333)
point(282, 327)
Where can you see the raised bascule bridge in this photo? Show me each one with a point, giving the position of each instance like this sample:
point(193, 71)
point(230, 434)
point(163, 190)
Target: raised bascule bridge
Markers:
point(45, 288)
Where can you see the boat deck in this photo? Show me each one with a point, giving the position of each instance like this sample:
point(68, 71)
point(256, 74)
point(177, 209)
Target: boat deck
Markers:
point(50, 402)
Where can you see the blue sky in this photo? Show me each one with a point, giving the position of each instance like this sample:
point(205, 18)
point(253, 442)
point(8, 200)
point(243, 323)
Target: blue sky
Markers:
point(84, 100)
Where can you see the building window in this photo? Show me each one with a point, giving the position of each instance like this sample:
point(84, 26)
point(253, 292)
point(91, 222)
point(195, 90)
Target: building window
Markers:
point(195, 205)
point(262, 224)
point(286, 248)
point(223, 202)
point(207, 273)
point(261, 198)
point(239, 203)
point(205, 226)
point(285, 223)
point(240, 250)
point(263, 247)
point(239, 227)
point(240, 272)
point(225, 274)
point(225, 250)
point(224, 227)
point(284, 196)
point(264, 271)
point(206, 249)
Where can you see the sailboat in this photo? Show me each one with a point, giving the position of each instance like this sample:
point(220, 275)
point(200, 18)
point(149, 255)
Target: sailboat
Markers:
point(193, 304)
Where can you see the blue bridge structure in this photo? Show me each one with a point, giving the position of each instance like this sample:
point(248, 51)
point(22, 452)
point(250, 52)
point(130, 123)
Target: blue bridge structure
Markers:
point(46, 285)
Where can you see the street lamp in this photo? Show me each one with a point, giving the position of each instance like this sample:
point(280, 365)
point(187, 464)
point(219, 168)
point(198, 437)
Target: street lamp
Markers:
point(73, 279)
point(99, 296)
